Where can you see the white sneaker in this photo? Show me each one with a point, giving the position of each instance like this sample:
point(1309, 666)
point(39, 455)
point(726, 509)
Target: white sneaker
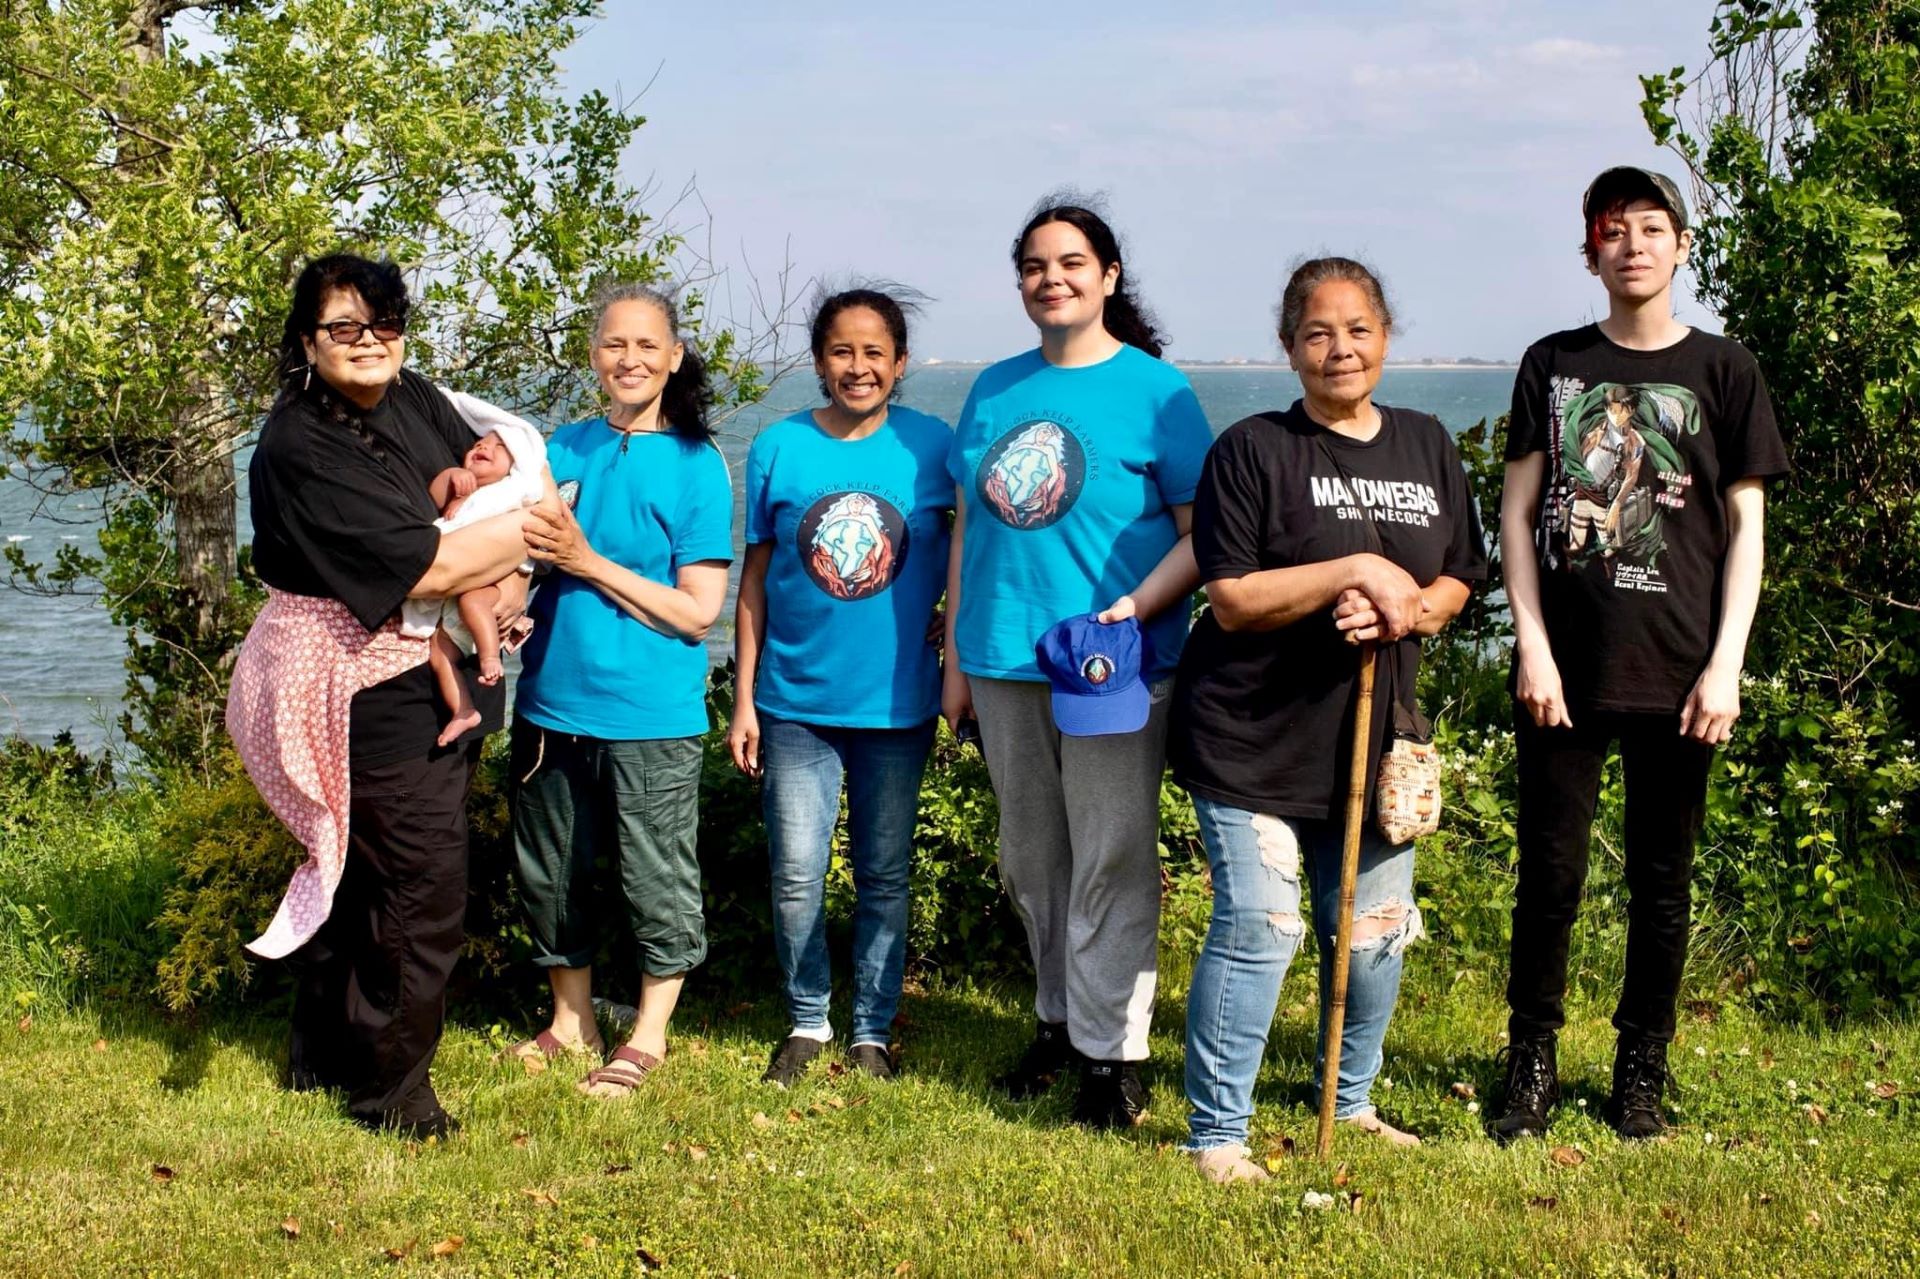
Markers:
point(1224, 1165)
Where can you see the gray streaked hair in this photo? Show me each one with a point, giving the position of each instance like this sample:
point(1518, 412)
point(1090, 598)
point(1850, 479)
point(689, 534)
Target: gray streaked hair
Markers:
point(609, 293)
point(1309, 274)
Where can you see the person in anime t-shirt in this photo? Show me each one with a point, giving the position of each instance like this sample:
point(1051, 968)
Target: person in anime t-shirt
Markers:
point(1637, 453)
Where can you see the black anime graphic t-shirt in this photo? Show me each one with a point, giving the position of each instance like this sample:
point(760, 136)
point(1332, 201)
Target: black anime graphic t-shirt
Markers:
point(1261, 719)
point(1632, 534)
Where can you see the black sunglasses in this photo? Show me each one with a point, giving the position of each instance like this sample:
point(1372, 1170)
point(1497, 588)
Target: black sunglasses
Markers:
point(347, 332)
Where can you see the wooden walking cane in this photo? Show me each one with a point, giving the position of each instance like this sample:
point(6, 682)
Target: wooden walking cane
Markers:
point(1336, 1009)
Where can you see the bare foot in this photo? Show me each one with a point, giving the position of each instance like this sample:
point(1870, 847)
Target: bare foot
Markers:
point(460, 723)
point(1378, 1127)
point(490, 669)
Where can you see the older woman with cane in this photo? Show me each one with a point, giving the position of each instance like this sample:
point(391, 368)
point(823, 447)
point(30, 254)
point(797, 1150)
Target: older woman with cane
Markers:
point(1335, 528)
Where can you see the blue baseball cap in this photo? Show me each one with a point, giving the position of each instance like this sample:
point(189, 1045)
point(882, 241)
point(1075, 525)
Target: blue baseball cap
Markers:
point(1094, 668)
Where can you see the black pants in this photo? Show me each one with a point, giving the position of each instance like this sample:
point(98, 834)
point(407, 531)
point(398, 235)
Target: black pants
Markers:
point(1666, 795)
point(372, 983)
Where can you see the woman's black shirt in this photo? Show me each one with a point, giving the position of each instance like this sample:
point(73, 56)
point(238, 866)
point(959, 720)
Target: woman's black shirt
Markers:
point(339, 518)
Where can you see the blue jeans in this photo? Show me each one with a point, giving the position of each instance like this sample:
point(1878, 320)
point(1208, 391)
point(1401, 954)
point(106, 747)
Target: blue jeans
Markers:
point(803, 766)
point(1257, 861)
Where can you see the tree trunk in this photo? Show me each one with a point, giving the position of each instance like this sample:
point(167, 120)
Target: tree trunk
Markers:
point(203, 531)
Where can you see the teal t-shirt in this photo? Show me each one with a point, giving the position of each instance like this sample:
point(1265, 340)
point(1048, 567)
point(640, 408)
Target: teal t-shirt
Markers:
point(860, 530)
point(1069, 475)
point(650, 502)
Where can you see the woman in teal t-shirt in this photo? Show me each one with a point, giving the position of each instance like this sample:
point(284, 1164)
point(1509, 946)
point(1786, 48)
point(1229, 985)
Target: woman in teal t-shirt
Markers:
point(1076, 465)
point(612, 696)
point(847, 514)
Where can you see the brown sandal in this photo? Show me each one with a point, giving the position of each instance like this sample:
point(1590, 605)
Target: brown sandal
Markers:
point(543, 1048)
point(642, 1065)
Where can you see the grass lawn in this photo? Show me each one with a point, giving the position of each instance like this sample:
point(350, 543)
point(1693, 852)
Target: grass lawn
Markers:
point(134, 1146)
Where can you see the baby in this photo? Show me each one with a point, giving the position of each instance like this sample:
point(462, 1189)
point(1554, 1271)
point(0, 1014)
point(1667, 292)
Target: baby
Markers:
point(486, 470)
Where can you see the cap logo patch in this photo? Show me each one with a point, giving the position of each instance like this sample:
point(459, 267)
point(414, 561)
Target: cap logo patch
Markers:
point(1097, 669)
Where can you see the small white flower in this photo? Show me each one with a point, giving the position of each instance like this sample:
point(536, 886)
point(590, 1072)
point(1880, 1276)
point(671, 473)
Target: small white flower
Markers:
point(1582, 1103)
point(1386, 1082)
point(1801, 784)
point(1699, 1051)
point(1813, 1141)
point(1709, 1137)
point(1473, 1108)
point(1316, 1201)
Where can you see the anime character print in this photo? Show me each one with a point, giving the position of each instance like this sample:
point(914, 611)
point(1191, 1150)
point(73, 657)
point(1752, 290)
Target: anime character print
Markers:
point(1032, 475)
point(853, 544)
point(1621, 470)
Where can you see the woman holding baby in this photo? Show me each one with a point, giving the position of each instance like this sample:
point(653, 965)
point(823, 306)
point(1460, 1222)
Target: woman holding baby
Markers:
point(334, 709)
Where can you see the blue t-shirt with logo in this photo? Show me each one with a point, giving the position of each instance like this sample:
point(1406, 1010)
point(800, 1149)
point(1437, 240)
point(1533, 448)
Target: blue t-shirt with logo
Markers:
point(650, 502)
point(1069, 475)
point(860, 530)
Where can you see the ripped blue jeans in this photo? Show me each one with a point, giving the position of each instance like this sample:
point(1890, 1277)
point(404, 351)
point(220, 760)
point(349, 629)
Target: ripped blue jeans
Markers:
point(1257, 861)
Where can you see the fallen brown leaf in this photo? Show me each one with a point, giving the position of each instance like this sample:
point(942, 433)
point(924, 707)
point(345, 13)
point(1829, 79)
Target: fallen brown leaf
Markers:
point(448, 1246)
point(1886, 1090)
point(795, 1117)
point(1816, 1112)
point(541, 1198)
point(1672, 1217)
point(696, 1153)
point(1813, 1219)
point(647, 1260)
point(290, 1227)
point(904, 1268)
point(99, 1045)
point(404, 1251)
point(520, 1140)
point(1021, 1234)
point(25, 1023)
point(1548, 1202)
point(835, 1069)
point(534, 1064)
point(589, 1241)
point(745, 1006)
point(162, 1173)
point(836, 1103)
point(1463, 1090)
point(1341, 1176)
point(760, 1120)
point(1765, 1198)
point(1567, 1156)
point(614, 1170)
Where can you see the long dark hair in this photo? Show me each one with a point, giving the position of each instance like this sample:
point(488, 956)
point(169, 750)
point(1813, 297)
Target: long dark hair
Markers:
point(384, 290)
point(889, 301)
point(686, 401)
point(1124, 315)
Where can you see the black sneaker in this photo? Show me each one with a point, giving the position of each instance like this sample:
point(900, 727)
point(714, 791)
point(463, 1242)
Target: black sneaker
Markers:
point(1112, 1095)
point(790, 1059)
point(1639, 1077)
point(871, 1059)
point(1041, 1065)
point(1532, 1089)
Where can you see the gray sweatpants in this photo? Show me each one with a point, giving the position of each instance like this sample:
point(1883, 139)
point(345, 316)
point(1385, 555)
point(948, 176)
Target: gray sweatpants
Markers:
point(1079, 835)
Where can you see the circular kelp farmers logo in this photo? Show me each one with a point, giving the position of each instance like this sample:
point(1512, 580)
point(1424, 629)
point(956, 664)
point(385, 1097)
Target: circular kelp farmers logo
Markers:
point(1031, 476)
point(852, 544)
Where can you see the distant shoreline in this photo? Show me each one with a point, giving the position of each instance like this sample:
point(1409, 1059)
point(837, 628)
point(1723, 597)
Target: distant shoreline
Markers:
point(1211, 366)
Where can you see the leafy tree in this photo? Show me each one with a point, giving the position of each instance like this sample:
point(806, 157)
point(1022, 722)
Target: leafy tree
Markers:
point(157, 197)
point(1805, 151)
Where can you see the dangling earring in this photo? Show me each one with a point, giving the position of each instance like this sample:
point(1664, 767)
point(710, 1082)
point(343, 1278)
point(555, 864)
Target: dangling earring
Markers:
point(308, 380)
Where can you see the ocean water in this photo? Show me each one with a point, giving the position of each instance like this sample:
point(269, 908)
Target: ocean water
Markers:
point(61, 660)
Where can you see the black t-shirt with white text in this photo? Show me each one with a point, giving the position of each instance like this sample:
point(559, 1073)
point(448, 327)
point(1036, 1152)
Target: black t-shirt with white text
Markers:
point(334, 518)
point(1261, 719)
point(1631, 536)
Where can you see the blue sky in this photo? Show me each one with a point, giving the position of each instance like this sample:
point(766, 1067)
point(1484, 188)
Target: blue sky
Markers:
point(1445, 141)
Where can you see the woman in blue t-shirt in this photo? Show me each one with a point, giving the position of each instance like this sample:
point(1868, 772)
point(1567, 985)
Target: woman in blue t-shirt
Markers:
point(611, 702)
point(1076, 465)
point(847, 513)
